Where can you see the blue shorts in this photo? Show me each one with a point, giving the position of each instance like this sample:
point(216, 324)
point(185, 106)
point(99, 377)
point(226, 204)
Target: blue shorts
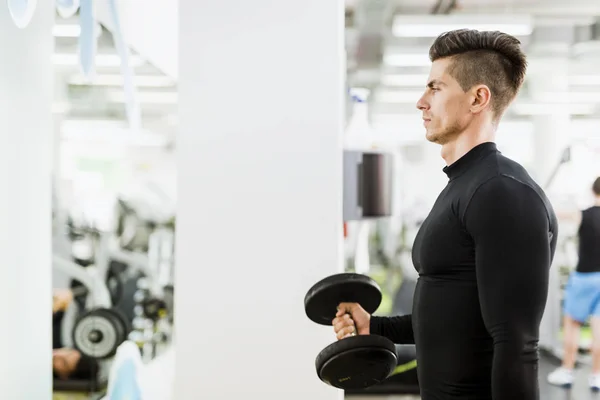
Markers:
point(582, 296)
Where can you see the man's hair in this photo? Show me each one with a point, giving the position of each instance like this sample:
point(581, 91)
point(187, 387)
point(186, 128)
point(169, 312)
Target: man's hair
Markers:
point(596, 186)
point(86, 369)
point(491, 58)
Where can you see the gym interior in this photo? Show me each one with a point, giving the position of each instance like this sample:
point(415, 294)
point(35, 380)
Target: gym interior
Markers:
point(185, 172)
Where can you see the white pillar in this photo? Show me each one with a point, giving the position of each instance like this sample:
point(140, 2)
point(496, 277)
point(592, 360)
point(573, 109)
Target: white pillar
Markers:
point(549, 82)
point(25, 210)
point(552, 129)
point(259, 218)
point(61, 244)
point(551, 138)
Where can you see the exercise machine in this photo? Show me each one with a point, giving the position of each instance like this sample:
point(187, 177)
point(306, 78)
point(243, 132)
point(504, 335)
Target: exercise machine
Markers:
point(92, 326)
point(149, 266)
point(154, 275)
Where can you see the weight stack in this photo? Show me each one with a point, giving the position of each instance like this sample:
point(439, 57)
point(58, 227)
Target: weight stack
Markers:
point(368, 180)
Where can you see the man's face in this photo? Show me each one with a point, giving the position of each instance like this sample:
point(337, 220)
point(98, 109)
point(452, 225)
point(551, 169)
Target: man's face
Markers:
point(64, 362)
point(445, 106)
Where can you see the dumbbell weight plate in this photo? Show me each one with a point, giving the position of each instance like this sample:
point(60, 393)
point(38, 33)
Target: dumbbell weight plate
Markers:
point(125, 326)
point(321, 301)
point(357, 362)
point(97, 334)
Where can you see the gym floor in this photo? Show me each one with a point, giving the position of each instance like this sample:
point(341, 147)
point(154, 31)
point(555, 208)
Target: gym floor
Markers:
point(580, 390)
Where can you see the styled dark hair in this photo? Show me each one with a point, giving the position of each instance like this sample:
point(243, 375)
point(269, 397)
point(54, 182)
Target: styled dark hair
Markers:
point(596, 186)
point(86, 369)
point(491, 58)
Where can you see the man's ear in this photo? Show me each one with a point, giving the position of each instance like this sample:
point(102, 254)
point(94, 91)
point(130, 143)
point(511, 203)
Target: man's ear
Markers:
point(481, 98)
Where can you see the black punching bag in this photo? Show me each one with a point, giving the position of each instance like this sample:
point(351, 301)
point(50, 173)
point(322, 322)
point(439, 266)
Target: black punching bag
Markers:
point(368, 179)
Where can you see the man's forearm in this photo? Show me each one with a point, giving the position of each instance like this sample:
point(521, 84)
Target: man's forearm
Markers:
point(514, 373)
point(398, 329)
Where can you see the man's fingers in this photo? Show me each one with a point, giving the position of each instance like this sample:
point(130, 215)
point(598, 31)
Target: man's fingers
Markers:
point(344, 308)
point(343, 323)
point(345, 332)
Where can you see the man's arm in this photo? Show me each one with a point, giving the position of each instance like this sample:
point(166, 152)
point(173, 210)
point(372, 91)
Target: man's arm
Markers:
point(510, 228)
point(398, 329)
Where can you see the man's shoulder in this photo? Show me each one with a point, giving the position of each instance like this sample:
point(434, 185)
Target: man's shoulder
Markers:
point(500, 171)
point(509, 167)
point(516, 177)
point(505, 185)
point(510, 186)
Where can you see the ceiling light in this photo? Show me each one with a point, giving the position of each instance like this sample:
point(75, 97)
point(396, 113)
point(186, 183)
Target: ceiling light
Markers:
point(567, 98)
point(163, 98)
point(529, 109)
point(151, 81)
point(72, 30)
point(398, 96)
point(412, 80)
point(109, 133)
point(407, 59)
point(434, 25)
point(101, 60)
point(584, 80)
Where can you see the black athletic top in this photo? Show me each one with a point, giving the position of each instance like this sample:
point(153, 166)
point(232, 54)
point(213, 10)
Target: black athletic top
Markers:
point(589, 241)
point(57, 319)
point(483, 256)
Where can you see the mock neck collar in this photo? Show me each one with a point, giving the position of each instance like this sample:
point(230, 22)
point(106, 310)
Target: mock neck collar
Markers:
point(464, 163)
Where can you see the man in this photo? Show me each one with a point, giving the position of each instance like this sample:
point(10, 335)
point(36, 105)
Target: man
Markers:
point(67, 363)
point(484, 252)
point(582, 296)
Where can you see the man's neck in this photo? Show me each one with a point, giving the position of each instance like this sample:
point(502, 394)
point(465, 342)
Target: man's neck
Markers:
point(597, 201)
point(465, 142)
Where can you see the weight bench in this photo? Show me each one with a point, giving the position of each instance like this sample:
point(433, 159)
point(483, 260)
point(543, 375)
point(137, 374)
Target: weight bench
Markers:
point(87, 386)
point(79, 389)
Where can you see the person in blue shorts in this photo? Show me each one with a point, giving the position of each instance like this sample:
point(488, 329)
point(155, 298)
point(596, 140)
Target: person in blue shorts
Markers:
point(582, 297)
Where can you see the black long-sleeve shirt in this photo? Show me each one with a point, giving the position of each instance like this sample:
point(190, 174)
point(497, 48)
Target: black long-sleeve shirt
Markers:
point(483, 256)
point(589, 237)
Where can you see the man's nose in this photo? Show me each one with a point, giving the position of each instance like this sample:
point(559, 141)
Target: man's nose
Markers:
point(422, 104)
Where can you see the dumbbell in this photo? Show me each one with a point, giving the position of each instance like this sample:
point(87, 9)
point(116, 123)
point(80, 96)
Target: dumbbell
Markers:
point(355, 362)
point(99, 333)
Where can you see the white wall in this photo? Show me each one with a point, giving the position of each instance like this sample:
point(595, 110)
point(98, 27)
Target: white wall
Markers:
point(26, 77)
point(260, 194)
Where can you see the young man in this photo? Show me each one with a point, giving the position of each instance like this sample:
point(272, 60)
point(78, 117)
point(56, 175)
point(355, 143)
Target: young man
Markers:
point(484, 252)
point(582, 296)
point(67, 363)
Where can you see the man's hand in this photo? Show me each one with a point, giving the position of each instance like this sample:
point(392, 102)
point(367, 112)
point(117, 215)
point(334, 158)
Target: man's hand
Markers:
point(61, 299)
point(351, 319)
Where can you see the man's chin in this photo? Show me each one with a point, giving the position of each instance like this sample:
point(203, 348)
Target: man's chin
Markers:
point(431, 137)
